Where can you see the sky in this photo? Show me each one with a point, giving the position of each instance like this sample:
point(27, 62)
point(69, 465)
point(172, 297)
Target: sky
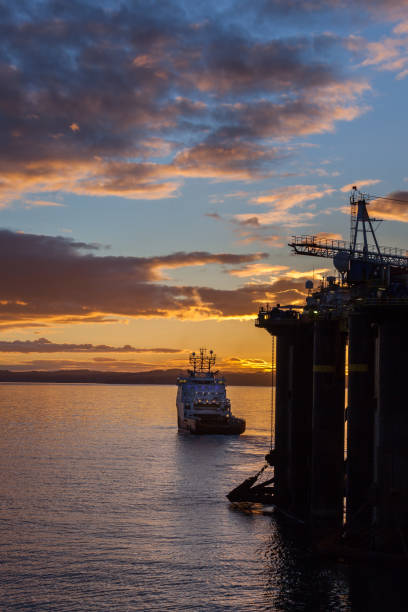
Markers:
point(157, 155)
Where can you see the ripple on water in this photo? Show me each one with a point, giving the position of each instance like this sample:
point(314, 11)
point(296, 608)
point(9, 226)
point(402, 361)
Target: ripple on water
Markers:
point(103, 506)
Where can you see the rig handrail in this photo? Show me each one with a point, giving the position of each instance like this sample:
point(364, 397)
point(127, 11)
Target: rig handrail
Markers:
point(383, 301)
point(321, 247)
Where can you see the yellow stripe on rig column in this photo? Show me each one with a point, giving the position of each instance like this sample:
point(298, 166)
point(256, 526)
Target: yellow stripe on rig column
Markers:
point(358, 367)
point(324, 368)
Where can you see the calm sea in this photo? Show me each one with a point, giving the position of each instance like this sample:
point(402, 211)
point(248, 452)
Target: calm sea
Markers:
point(105, 507)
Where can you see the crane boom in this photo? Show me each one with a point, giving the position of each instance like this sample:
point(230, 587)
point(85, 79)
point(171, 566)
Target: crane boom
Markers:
point(348, 254)
point(318, 247)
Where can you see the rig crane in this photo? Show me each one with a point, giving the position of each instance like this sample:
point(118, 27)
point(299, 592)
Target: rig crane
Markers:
point(357, 261)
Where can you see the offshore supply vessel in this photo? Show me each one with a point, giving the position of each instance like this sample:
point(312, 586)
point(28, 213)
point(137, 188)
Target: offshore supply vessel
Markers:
point(202, 403)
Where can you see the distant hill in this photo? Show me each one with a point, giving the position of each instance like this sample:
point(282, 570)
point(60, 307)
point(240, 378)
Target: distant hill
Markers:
point(154, 377)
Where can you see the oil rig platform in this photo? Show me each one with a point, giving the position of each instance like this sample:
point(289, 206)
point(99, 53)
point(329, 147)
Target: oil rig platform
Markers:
point(340, 452)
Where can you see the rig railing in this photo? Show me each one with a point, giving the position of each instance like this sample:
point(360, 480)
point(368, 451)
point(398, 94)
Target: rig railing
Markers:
point(322, 247)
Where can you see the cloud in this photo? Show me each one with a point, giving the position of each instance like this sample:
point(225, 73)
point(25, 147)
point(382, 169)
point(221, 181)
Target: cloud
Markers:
point(389, 209)
point(393, 209)
point(328, 235)
point(245, 364)
point(42, 345)
point(98, 364)
point(181, 260)
point(226, 160)
point(389, 53)
point(133, 101)
point(294, 195)
point(281, 201)
point(278, 273)
point(214, 215)
point(41, 203)
point(315, 272)
point(257, 236)
point(258, 270)
point(388, 9)
point(359, 184)
point(308, 112)
point(249, 230)
point(244, 301)
point(50, 280)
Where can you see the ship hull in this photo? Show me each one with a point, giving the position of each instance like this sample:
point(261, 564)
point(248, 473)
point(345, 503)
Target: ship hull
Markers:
point(200, 426)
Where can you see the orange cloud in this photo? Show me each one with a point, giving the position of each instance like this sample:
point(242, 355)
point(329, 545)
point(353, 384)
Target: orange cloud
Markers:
point(271, 241)
point(315, 272)
point(328, 236)
point(390, 53)
point(245, 364)
point(294, 195)
point(359, 184)
point(391, 210)
point(258, 270)
point(55, 281)
point(239, 161)
point(250, 230)
point(284, 199)
point(227, 95)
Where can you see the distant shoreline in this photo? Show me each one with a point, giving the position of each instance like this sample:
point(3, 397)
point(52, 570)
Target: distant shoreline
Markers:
point(153, 377)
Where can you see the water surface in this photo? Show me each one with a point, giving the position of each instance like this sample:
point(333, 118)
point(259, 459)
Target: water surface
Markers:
point(103, 506)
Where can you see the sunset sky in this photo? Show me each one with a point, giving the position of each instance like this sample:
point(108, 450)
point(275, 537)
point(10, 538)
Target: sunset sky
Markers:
point(156, 156)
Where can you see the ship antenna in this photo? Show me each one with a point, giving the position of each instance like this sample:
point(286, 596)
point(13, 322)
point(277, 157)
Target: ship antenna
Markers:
point(193, 361)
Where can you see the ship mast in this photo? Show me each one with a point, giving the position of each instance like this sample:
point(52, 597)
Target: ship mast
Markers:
point(203, 362)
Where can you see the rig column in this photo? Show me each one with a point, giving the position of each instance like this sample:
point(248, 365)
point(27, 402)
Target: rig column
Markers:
point(360, 421)
point(300, 402)
point(327, 487)
point(281, 471)
point(293, 409)
point(391, 435)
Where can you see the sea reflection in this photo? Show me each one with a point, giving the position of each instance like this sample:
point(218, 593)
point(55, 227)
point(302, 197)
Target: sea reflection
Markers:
point(295, 579)
point(104, 506)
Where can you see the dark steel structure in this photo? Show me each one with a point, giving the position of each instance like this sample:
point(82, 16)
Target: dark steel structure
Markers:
point(292, 453)
point(350, 340)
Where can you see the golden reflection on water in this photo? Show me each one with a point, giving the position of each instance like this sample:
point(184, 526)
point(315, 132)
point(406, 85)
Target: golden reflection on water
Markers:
point(104, 506)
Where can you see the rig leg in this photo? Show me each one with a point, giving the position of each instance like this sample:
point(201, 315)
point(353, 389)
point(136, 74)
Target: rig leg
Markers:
point(299, 406)
point(293, 413)
point(360, 422)
point(391, 437)
point(327, 488)
point(282, 487)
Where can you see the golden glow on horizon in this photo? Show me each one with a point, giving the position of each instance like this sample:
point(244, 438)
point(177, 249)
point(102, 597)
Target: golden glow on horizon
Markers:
point(186, 155)
point(118, 362)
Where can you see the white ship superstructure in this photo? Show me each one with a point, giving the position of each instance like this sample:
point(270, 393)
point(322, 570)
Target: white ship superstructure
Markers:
point(202, 403)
